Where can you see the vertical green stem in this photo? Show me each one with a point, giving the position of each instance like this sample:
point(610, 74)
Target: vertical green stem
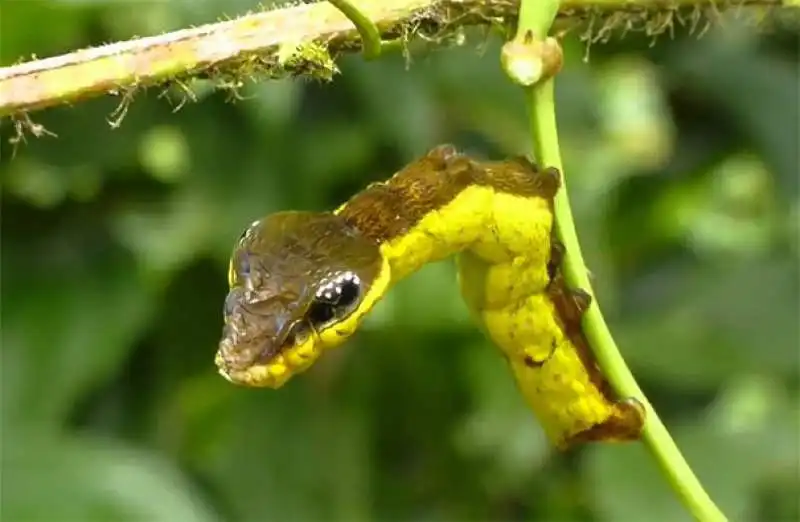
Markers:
point(536, 17)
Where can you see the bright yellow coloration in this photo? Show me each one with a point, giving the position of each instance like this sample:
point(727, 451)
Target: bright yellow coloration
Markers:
point(505, 240)
point(503, 243)
point(441, 233)
point(559, 389)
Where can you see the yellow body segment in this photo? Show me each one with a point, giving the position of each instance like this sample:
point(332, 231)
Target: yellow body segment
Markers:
point(549, 369)
point(441, 233)
point(504, 247)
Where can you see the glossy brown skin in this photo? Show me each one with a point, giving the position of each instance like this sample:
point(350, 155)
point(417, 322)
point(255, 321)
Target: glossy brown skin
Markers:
point(278, 266)
point(441, 204)
point(387, 210)
point(303, 250)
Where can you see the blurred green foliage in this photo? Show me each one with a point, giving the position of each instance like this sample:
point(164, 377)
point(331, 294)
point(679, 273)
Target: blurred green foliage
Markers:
point(682, 159)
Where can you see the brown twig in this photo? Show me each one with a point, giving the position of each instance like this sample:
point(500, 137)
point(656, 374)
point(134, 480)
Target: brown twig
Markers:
point(298, 40)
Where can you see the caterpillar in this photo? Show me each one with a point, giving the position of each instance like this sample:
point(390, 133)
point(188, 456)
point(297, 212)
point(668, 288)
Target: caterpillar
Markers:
point(302, 282)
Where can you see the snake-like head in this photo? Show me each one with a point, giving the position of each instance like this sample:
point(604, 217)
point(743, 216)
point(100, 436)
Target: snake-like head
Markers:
point(300, 282)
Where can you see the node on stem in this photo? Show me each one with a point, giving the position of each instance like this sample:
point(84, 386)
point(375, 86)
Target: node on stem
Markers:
point(529, 59)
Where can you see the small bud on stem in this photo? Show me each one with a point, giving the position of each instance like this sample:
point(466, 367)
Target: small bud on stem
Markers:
point(529, 59)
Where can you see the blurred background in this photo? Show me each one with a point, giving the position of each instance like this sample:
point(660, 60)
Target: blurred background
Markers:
point(682, 160)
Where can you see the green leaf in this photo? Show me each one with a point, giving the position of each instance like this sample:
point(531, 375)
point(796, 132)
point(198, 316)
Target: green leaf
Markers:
point(714, 323)
point(47, 478)
point(67, 327)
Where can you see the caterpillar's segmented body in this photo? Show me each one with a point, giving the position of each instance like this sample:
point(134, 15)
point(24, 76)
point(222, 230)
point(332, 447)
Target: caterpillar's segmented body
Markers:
point(497, 217)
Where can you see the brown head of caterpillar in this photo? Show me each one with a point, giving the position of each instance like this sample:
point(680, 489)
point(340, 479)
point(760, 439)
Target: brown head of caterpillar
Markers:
point(296, 278)
point(625, 417)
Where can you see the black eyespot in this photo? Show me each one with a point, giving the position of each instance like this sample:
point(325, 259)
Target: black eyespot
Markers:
point(349, 292)
point(335, 300)
point(321, 313)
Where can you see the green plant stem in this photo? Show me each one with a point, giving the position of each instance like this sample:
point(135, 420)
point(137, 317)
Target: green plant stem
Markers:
point(371, 41)
point(537, 16)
